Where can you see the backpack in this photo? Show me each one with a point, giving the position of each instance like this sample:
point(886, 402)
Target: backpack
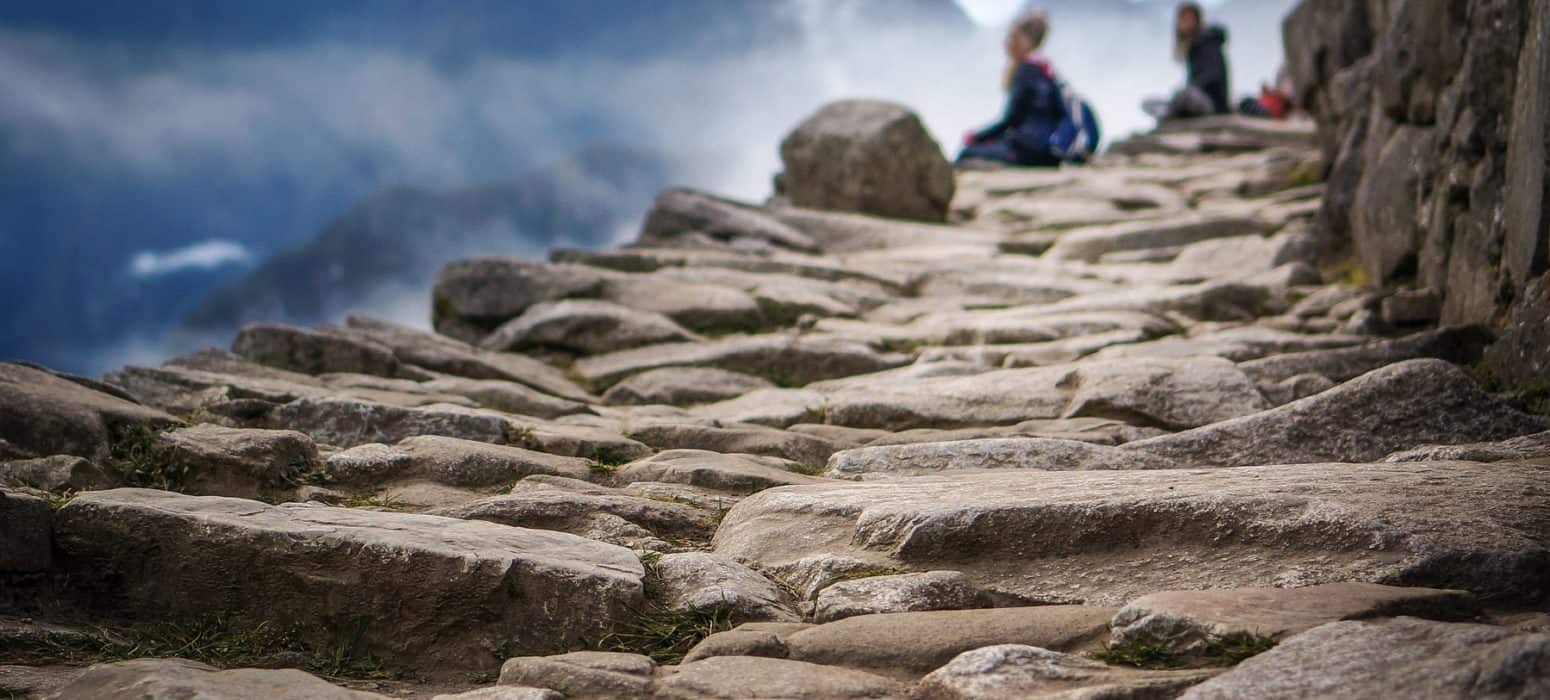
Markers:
point(1076, 138)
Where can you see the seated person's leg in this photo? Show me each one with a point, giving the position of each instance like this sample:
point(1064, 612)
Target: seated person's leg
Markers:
point(1189, 103)
point(995, 150)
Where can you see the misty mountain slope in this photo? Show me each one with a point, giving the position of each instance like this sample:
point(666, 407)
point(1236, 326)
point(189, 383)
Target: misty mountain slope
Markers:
point(398, 239)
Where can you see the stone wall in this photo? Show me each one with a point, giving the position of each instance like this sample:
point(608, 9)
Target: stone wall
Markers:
point(1433, 116)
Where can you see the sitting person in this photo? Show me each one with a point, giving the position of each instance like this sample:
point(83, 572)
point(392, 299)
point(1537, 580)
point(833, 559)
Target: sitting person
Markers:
point(1201, 49)
point(1274, 102)
point(1035, 107)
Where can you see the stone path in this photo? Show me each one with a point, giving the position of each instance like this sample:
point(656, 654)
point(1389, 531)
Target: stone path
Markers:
point(1106, 417)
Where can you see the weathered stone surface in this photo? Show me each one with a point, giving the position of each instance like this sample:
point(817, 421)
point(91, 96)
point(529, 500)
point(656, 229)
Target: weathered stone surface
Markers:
point(26, 537)
point(775, 408)
point(575, 512)
point(732, 473)
point(57, 473)
point(1165, 393)
point(911, 644)
point(43, 414)
point(1398, 658)
point(1005, 453)
point(439, 353)
point(1519, 357)
point(413, 589)
point(1235, 344)
point(1412, 403)
point(677, 212)
point(1052, 535)
point(508, 396)
point(178, 678)
point(1016, 672)
point(932, 590)
point(490, 291)
point(1461, 345)
point(770, 679)
point(511, 692)
point(806, 450)
point(348, 422)
point(1534, 446)
point(312, 352)
point(217, 461)
point(1186, 620)
point(585, 326)
point(682, 386)
point(787, 360)
point(1411, 307)
point(1090, 244)
point(706, 582)
point(696, 306)
point(449, 461)
point(868, 157)
point(583, 675)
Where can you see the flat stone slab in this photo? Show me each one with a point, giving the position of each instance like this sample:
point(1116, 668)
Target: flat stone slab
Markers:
point(1021, 672)
point(1107, 537)
point(1184, 619)
point(787, 360)
point(731, 473)
point(416, 590)
point(1403, 658)
point(754, 678)
point(1413, 403)
point(43, 414)
point(893, 461)
point(179, 678)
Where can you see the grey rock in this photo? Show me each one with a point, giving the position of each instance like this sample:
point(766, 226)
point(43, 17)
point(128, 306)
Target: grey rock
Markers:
point(696, 306)
point(1534, 446)
point(1235, 344)
point(448, 461)
point(700, 581)
point(217, 461)
point(894, 461)
point(806, 450)
point(510, 692)
point(1091, 244)
point(786, 360)
point(1398, 658)
point(867, 157)
point(754, 678)
point(487, 292)
point(730, 473)
point(1410, 307)
point(439, 353)
point(413, 589)
point(1296, 388)
point(748, 639)
point(575, 512)
point(585, 326)
point(349, 422)
point(312, 352)
point(42, 414)
point(178, 678)
point(678, 211)
point(775, 408)
point(26, 526)
point(1018, 671)
point(932, 590)
point(583, 675)
point(1519, 357)
point(1187, 620)
point(1413, 403)
point(682, 386)
point(57, 473)
point(508, 396)
point(1461, 345)
point(1051, 535)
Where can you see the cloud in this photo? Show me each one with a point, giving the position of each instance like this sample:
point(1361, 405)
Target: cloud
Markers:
point(207, 255)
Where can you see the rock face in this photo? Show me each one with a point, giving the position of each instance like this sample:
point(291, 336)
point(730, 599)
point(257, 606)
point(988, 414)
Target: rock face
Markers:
point(26, 535)
point(415, 589)
point(1433, 117)
point(1015, 671)
point(177, 678)
point(868, 157)
point(1403, 658)
point(43, 414)
point(1005, 453)
point(217, 461)
point(1051, 535)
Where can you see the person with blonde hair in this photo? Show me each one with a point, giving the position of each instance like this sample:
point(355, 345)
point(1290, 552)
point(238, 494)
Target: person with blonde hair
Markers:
point(1035, 107)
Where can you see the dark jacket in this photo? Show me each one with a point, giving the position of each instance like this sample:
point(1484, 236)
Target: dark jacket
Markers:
point(1033, 112)
point(1208, 67)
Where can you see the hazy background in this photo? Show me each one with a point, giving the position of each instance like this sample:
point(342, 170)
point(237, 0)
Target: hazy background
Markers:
point(172, 168)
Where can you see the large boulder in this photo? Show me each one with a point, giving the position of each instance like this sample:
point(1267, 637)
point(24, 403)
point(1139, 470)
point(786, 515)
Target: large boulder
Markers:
point(414, 590)
point(25, 533)
point(345, 422)
point(1022, 672)
point(312, 352)
point(867, 157)
point(211, 460)
point(44, 414)
point(486, 292)
point(439, 353)
point(1405, 657)
point(704, 582)
point(585, 326)
point(1107, 537)
point(1413, 403)
point(447, 460)
point(179, 678)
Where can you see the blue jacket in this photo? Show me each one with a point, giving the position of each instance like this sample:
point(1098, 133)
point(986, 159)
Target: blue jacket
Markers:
point(1034, 110)
point(1208, 67)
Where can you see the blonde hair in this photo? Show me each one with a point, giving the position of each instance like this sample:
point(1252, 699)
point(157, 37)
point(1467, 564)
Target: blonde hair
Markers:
point(1033, 26)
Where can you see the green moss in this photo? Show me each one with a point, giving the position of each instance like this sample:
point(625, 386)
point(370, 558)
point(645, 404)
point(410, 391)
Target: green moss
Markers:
point(1140, 654)
point(1347, 272)
point(372, 500)
point(1220, 651)
point(1307, 173)
point(135, 454)
point(1232, 649)
point(806, 469)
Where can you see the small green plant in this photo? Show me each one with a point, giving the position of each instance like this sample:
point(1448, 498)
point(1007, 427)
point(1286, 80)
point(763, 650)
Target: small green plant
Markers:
point(667, 635)
point(60, 499)
point(135, 453)
point(9, 692)
point(372, 500)
point(1347, 272)
point(602, 471)
point(806, 469)
point(520, 436)
point(1140, 653)
point(865, 572)
point(1232, 649)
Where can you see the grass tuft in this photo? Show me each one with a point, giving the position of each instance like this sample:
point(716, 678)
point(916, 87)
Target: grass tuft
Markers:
point(1221, 650)
point(667, 635)
point(1140, 653)
point(135, 455)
